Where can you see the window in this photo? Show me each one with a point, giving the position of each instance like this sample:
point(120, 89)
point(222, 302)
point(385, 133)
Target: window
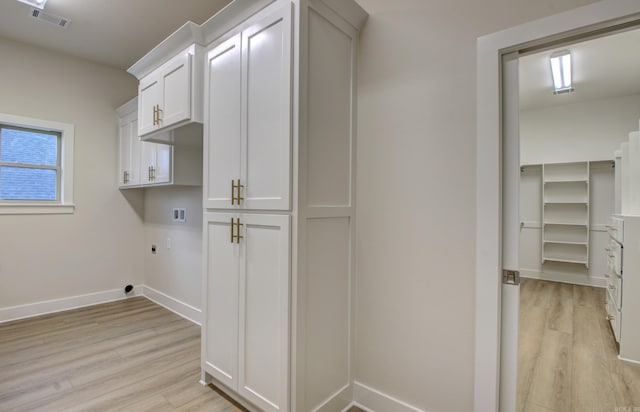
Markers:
point(36, 166)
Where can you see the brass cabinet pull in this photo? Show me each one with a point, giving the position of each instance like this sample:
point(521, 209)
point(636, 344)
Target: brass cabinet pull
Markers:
point(125, 177)
point(238, 235)
point(236, 187)
point(153, 173)
point(240, 187)
point(156, 114)
point(235, 230)
point(233, 225)
point(149, 173)
point(233, 192)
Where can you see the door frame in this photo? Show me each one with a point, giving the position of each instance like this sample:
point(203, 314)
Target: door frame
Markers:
point(601, 16)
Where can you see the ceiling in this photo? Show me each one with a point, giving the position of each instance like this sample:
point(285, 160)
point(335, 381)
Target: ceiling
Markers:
point(119, 32)
point(112, 32)
point(605, 67)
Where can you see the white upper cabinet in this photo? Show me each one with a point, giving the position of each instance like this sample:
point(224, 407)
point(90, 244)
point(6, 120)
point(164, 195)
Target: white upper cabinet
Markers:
point(149, 95)
point(129, 165)
point(248, 109)
point(155, 163)
point(143, 164)
point(170, 95)
point(222, 142)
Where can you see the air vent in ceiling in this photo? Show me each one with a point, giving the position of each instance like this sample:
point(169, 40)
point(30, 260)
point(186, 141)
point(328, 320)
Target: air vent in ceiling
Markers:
point(49, 18)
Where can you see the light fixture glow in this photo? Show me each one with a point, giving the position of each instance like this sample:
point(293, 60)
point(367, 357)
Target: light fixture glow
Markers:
point(561, 71)
point(38, 4)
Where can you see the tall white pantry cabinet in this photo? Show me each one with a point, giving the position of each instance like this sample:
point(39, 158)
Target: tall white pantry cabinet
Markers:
point(278, 199)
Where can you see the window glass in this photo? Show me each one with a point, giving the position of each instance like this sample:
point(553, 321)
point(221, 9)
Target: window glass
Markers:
point(29, 147)
point(36, 166)
point(29, 164)
point(22, 183)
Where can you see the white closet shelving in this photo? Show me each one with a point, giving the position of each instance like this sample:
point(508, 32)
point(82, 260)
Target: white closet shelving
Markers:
point(565, 213)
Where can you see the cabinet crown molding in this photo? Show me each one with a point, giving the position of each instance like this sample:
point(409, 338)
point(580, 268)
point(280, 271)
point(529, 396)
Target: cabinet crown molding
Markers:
point(192, 33)
point(223, 21)
point(179, 40)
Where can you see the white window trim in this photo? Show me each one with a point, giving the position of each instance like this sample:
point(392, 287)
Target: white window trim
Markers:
point(66, 203)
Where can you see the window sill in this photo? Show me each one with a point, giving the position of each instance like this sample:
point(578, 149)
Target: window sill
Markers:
point(32, 209)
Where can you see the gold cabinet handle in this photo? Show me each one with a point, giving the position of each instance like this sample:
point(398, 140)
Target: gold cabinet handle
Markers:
point(240, 187)
point(238, 235)
point(156, 114)
point(236, 198)
point(153, 173)
point(233, 193)
point(233, 225)
point(235, 231)
point(125, 177)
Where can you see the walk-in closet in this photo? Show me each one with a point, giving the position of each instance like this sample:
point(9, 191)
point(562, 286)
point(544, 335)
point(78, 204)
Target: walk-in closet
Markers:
point(579, 345)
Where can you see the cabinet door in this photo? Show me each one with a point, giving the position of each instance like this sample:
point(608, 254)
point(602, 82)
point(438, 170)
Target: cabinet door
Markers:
point(220, 325)
point(264, 311)
point(266, 118)
point(134, 168)
point(124, 169)
point(147, 161)
point(176, 90)
point(163, 163)
point(129, 169)
point(222, 123)
point(149, 96)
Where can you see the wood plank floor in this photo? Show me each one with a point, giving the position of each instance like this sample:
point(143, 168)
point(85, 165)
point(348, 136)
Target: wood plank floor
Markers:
point(567, 353)
point(130, 355)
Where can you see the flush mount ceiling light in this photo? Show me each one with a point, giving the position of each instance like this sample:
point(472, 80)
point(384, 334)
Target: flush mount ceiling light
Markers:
point(39, 4)
point(561, 71)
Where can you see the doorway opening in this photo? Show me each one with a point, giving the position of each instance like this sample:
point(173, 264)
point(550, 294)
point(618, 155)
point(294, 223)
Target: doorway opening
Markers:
point(567, 350)
point(493, 83)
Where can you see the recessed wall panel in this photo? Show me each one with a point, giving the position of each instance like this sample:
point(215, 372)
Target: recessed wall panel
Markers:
point(328, 269)
point(329, 157)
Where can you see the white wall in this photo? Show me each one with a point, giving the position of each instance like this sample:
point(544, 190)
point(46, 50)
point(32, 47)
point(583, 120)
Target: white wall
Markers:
point(175, 272)
point(97, 248)
point(415, 303)
point(590, 130)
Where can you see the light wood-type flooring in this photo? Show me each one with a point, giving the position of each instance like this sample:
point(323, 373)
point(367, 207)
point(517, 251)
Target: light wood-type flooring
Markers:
point(130, 355)
point(567, 353)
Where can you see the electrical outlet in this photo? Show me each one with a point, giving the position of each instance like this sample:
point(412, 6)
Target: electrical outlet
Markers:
point(179, 215)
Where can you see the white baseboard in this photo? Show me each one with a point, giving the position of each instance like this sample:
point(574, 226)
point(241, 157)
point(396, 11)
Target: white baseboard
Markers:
point(357, 405)
point(634, 362)
point(372, 400)
point(573, 278)
point(341, 400)
point(174, 305)
point(352, 404)
point(59, 305)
